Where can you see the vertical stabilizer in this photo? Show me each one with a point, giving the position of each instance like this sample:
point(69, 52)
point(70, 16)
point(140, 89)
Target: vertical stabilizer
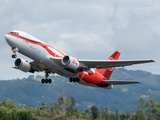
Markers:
point(107, 72)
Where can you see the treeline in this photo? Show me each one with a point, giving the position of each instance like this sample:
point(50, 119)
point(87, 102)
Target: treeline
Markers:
point(65, 109)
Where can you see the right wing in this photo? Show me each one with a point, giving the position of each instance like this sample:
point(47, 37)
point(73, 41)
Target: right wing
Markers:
point(119, 82)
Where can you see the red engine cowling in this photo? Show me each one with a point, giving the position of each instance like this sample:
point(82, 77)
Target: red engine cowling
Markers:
point(70, 62)
point(23, 65)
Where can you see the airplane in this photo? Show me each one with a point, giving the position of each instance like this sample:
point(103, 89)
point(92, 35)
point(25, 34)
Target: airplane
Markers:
point(46, 58)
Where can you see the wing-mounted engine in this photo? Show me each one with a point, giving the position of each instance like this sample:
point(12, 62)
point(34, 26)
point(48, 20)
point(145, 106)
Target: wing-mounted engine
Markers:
point(110, 86)
point(23, 65)
point(72, 63)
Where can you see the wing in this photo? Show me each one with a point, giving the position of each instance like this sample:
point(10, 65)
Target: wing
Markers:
point(119, 82)
point(111, 63)
point(37, 67)
point(105, 63)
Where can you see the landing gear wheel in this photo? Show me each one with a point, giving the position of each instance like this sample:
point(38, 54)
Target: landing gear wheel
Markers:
point(74, 79)
point(49, 81)
point(14, 56)
point(46, 80)
point(70, 79)
point(42, 81)
point(78, 79)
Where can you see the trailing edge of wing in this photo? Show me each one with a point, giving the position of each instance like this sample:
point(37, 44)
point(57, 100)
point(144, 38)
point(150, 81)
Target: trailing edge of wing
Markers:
point(119, 82)
point(112, 63)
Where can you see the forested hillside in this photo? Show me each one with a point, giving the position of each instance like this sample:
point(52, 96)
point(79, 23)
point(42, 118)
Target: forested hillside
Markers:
point(31, 92)
point(65, 109)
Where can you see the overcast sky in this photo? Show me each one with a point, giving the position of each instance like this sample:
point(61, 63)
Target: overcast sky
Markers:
point(85, 29)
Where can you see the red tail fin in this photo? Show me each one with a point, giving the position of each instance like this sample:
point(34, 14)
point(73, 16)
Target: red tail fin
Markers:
point(107, 72)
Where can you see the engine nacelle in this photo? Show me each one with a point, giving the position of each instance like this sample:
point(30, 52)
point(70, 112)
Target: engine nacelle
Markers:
point(23, 65)
point(110, 86)
point(70, 62)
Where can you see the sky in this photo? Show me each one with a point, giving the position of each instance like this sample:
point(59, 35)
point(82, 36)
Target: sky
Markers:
point(85, 29)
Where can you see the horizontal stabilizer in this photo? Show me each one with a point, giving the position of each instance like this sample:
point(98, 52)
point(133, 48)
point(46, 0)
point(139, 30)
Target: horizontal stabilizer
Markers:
point(119, 82)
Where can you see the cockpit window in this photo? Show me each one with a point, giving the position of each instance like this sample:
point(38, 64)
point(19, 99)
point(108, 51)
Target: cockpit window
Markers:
point(16, 33)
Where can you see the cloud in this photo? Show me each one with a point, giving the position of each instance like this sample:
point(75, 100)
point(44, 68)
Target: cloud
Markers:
point(85, 29)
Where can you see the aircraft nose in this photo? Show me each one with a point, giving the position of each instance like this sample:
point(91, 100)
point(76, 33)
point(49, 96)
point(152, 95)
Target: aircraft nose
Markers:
point(7, 37)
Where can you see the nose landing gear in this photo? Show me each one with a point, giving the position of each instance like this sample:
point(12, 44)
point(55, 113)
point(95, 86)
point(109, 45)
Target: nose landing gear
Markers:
point(46, 80)
point(14, 53)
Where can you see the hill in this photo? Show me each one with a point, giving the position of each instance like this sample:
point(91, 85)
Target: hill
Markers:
point(31, 92)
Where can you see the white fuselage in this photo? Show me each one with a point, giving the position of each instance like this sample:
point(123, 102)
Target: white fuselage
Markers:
point(38, 51)
point(47, 58)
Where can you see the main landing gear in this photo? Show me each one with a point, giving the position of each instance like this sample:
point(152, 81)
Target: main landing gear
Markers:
point(14, 53)
point(74, 79)
point(46, 80)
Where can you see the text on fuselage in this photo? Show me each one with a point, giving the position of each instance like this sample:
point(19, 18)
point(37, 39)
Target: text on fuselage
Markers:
point(35, 49)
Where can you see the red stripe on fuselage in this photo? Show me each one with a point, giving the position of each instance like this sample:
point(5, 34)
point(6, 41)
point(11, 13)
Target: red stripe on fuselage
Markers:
point(45, 46)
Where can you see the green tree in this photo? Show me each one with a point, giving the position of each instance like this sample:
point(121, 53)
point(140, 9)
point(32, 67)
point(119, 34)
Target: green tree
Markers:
point(87, 111)
point(43, 104)
point(151, 108)
point(57, 108)
point(43, 107)
point(128, 115)
point(24, 115)
point(4, 103)
point(66, 104)
point(10, 104)
point(148, 109)
point(21, 106)
point(105, 114)
point(94, 112)
point(139, 115)
point(72, 106)
point(51, 107)
point(123, 116)
point(38, 111)
point(61, 103)
point(60, 100)
point(72, 102)
point(117, 115)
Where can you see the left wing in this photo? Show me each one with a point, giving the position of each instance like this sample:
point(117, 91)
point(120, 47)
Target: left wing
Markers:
point(112, 63)
point(119, 82)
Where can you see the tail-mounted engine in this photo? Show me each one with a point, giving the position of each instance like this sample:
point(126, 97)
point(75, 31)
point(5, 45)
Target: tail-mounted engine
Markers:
point(71, 62)
point(23, 65)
